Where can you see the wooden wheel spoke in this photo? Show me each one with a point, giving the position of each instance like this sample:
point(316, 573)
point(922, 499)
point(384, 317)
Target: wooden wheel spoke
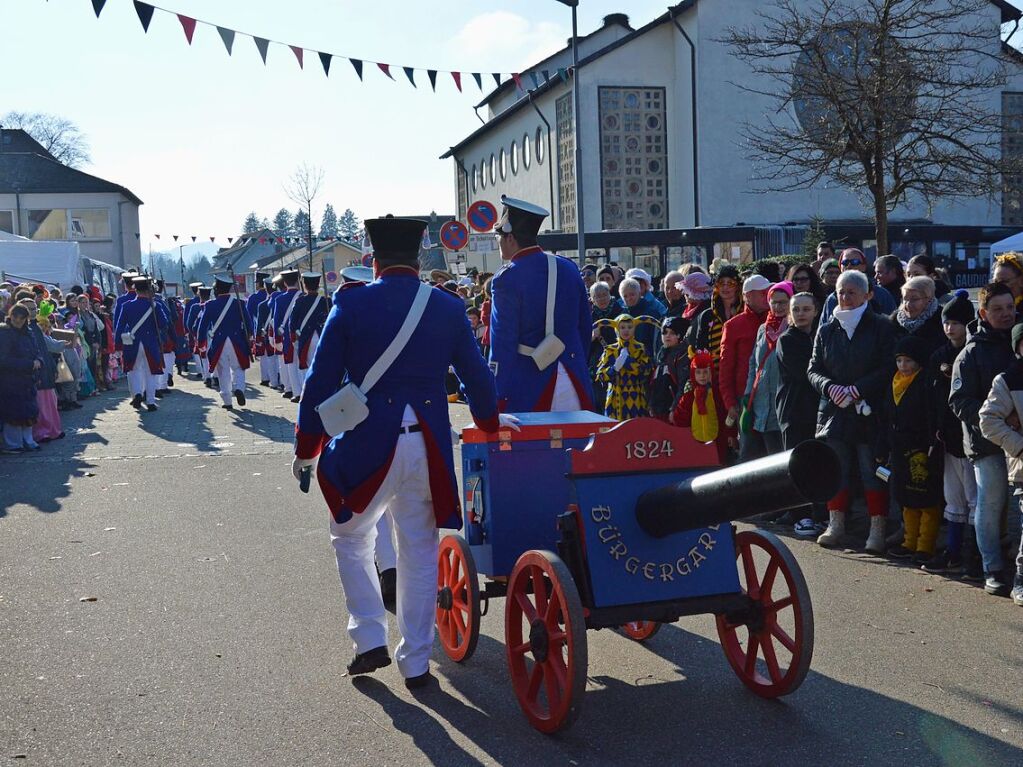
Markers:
point(554, 685)
point(554, 613)
point(458, 604)
point(556, 639)
point(535, 679)
point(459, 621)
point(539, 592)
point(750, 662)
point(445, 568)
point(768, 582)
point(780, 605)
point(782, 636)
point(771, 659)
point(749, 567)
point(521, 649)
point(528, 611)
point(459, 586)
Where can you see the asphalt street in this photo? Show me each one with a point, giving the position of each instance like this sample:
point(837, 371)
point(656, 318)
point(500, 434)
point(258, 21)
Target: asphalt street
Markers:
point(169, 597)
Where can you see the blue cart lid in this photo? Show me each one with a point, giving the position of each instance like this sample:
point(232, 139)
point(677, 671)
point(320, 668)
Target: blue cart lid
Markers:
point(538, 426)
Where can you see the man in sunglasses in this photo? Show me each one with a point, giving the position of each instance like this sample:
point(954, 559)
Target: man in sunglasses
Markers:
point(881, 301)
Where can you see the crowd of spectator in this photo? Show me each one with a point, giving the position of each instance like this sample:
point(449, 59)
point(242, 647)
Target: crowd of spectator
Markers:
point(55, 350)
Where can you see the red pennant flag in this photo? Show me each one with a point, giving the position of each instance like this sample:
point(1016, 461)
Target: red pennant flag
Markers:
point(280, 239)
point(187, 24)
point(517, 79)
point(385, 68)
point(298, 55)
point(262, 240)
point(457, 77)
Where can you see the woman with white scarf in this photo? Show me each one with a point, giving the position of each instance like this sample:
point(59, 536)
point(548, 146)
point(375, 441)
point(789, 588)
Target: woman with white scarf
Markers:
point(852, 364)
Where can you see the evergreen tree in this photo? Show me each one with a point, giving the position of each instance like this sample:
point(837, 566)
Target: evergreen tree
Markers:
point(251, 223)
point(301, 224)
point(349, 226)
point(283, 224)
point(814, 235)
point(328, 227)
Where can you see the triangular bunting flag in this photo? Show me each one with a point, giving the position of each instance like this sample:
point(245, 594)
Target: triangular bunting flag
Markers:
point(175, 237)
point(546, 76)
point(517, 79)
point(357, 63)
point(457, 77)
point(137, 235)
point(262, 240)
point(187, 24)
point(280, 239)
point(227, 35)
point(497, 77)
point(479, 80)
point(325, 60)
point(193, 238)
point(408, 73)
point(298, 55)
point(432, 74)
point(97, 5)
point(536, 83)
point(385, 68)
point(145, 12)
point(212, 239)
point(263, 46)
point(563, 74)
point(230, 240)
point(157, 236)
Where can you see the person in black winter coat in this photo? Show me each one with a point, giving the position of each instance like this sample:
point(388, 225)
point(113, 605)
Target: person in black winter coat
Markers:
point(796, 401)
point(906, 445)
point(919, 314)
point(851, 368)
point(987, 353)
point(19, 366)
point(959, 481)
point(671, 369)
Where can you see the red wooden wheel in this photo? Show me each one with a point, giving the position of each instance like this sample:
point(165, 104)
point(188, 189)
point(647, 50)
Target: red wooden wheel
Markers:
point(458, 599)
point(640, 630)
point(770, 648)
point(545, 632)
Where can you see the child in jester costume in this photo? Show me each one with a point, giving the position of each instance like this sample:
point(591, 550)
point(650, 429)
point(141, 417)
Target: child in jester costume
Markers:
point(624, 369)
point(701, 407)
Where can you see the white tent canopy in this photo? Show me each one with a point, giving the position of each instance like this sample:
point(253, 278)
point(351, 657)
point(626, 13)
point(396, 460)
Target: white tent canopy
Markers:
point(1015, 242)
point(50, 262)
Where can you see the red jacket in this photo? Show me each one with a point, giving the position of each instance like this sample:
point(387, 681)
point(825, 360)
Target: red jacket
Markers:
point(737, 340)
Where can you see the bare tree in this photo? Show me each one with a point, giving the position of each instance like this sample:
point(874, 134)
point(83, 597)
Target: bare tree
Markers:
point(302, 189)
point(896, 100)
point(58, 135)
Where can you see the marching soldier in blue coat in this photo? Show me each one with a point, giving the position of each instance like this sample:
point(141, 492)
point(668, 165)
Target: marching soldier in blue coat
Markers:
point(306, 323)
point(537, 369)
point(269, 370)
point(126, 296)
point(192, 318)
point(252, 304)
point(281, 307)
point(137, 336)
point(167, 338)
point(398, 460)
point(225, 330)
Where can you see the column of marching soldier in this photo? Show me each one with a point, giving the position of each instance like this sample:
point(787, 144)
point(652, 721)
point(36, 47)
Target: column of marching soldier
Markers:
point(279, 325)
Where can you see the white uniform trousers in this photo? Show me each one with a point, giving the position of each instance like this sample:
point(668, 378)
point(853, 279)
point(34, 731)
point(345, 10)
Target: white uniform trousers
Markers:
point(198, 364)
point(291, 376)
point(309, 359)
point(266, 371)
point(229, 372)
point(386, 554)
point(565, 396)
point(204, 367)
point(168, 369)
point(141, 381)
point(405, 497)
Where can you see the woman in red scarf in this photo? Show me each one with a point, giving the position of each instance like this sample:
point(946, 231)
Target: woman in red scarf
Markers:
point(759, 420)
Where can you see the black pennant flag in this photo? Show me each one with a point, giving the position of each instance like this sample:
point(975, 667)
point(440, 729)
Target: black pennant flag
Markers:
point(263, 46)
point(478, 79)
point(497, 77)
point(325, 60)
point(227, 35)
point(97, 5)
point(145, 12)
point(432, 74)
point(409, 74)
point(357, 63)
point(546, 75)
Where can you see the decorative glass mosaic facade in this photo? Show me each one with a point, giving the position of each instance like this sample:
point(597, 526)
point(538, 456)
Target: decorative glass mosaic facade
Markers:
point(566, 161)
point(1012, 147)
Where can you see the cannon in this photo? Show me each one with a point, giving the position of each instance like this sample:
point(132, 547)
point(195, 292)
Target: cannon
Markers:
point(582, 523)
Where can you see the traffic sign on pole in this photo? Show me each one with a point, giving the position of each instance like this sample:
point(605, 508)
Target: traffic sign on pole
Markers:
point(482, 216)
point(454, 235)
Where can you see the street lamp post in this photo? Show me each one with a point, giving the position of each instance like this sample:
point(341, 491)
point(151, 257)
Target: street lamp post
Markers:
point(579, 225)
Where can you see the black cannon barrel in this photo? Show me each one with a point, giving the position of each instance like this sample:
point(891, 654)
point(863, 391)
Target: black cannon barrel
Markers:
point(809, 473)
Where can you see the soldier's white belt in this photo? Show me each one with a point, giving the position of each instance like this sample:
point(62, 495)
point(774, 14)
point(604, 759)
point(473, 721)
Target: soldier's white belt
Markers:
point(545, 353)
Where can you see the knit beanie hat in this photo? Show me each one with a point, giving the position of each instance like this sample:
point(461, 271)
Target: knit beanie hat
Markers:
point(959, 309)
point(1017, 336)
point(831, 262)
point(674, 323)
point(915, 348)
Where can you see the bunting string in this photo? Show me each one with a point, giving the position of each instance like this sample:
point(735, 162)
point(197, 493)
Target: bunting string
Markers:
point(145, 13)
point(261, 239)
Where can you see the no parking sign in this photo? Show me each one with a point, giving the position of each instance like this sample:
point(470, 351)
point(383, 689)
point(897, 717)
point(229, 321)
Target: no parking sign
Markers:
point(482, 216)
point(454, 235)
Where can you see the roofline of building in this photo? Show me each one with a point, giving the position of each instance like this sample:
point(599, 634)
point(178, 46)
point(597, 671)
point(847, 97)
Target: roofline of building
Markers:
point(123, 190)
point(1009, 11)
point(553, 82)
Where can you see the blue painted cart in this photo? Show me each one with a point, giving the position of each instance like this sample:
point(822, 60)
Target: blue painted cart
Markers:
point(641, 522)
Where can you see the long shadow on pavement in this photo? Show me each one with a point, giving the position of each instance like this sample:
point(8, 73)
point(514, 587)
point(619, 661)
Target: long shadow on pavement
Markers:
point(193, 431)
point(693, 712)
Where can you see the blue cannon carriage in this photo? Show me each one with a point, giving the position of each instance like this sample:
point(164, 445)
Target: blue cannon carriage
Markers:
point(640, 517)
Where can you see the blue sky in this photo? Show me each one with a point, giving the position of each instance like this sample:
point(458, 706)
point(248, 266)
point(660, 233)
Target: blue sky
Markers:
point(204, 138)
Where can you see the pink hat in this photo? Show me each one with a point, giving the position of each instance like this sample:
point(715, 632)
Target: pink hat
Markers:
point(785, 287)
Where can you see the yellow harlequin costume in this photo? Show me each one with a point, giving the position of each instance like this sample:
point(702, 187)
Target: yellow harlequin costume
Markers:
point(627, 385)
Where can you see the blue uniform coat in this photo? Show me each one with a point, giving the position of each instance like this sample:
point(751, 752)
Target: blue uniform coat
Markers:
point(235, 329)
point(147, 337)
point(362, 323)
point(279, 304)
point(119, 303)
point(302, 337)
point(518, 315)
point(264, 328)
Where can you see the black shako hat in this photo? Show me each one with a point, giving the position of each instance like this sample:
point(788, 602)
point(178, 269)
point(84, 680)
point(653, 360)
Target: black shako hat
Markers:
point(395, 239)
point(520, 217)
point(261, 277)
point(141, 283)
point(204, 292)
point(311, 280)
point(222, 284)
point(357, 274)
point(290, 277)
point(195, 287)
